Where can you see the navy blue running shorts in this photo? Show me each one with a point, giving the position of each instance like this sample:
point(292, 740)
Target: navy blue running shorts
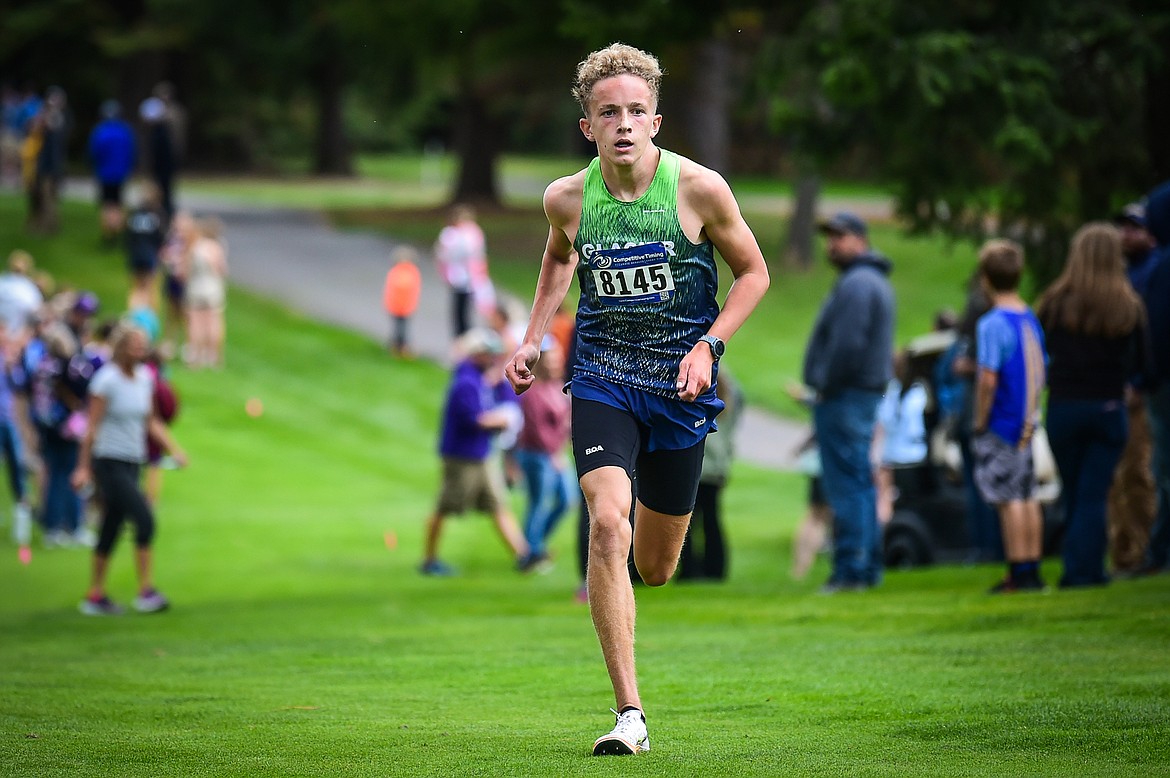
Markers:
point(666, 480)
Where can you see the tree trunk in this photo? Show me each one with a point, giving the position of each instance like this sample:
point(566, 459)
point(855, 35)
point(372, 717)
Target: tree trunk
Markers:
point(332, 155)
point(1158, 116)
point(477, 144)
point(709, 114)
point(798, 244)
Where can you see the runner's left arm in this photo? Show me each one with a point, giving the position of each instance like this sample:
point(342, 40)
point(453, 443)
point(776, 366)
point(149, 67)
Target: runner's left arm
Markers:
point(724, 225)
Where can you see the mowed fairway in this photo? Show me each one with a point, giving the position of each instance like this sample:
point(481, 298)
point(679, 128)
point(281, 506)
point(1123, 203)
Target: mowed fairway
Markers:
point(303, 642)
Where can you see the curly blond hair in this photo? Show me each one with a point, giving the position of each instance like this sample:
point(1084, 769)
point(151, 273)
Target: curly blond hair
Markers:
point(614, 60)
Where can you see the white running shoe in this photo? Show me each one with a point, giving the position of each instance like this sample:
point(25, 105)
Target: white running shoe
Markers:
point(58, 538)
point(151, 602)
point(101, 606)
point(629, 735)
point(21, 524)
point(84, 538)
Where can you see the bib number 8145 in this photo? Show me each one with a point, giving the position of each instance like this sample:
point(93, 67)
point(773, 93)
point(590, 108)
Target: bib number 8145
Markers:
point(635, 284)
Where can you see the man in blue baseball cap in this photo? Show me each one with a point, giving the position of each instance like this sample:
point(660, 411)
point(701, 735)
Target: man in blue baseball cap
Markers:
point(845, 223)
point(849, 362)
point(1137, 243)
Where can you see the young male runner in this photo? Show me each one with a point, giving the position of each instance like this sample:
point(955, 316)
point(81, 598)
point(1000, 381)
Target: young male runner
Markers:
point(639, 226)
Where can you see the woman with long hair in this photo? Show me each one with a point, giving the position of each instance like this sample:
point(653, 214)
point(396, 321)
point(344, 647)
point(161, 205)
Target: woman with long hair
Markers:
point(206, 273)
point(1095, 327)
point(121, 416)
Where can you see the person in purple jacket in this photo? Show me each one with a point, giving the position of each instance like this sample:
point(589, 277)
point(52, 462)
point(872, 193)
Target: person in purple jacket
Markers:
point(471, 419)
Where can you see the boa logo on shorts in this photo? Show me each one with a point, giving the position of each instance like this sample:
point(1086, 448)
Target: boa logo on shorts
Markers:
point(593, 450)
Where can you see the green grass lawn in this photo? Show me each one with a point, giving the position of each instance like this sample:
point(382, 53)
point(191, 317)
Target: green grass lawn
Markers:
point(394, 180)
point(385, 180)
point(303, 643)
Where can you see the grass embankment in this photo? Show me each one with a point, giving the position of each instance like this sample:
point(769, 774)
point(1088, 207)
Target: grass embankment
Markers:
point(303, 642)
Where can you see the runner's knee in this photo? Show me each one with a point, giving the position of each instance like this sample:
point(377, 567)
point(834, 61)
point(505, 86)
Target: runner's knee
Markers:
point(655, 565)
point(656, 572)
point(610, 533)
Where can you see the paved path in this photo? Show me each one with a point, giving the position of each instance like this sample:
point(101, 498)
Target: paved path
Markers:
point(336, 276)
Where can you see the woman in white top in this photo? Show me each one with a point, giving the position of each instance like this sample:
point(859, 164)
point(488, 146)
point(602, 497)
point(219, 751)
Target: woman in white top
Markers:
point(462, 259)
point(205, 296)
point(121, 415)
point(902, 437)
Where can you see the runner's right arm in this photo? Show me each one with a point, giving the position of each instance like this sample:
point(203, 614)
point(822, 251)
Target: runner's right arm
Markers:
point(562, 205)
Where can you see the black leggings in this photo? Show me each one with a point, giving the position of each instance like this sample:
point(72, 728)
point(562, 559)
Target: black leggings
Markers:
point(117, 484)
point(400, 332)
point(704, 554)
point(461, 311)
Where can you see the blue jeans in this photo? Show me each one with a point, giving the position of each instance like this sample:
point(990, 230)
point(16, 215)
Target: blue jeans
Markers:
point(1159, 552)
point(62, 509)
point(13, 459)
point(550, 492)
point(844, 430)
point(1087, 438)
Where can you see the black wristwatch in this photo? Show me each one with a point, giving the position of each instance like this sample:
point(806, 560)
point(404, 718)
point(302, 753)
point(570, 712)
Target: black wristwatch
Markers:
point(717, 346)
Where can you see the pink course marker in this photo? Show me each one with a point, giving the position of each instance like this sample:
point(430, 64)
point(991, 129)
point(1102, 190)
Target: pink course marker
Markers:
point(25, 555)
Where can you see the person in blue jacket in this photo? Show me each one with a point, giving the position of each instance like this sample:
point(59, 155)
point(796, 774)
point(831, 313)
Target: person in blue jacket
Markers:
point(1156, 296)
point(849, 363)
point(113, 152)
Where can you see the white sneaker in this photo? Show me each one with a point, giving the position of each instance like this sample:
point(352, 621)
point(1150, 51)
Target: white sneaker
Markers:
point(56, 539)
point(84, 538)
point(629, 735)
point(103, 606)
point(151, 602)
point(21, 524)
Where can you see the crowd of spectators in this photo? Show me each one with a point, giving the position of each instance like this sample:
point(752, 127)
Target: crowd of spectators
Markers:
point(54, 340)
point(1101, 367)
point(36, 127)
point(1081, 383)
point(85, 395)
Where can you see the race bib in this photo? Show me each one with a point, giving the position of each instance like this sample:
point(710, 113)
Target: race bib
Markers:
point(639, 274)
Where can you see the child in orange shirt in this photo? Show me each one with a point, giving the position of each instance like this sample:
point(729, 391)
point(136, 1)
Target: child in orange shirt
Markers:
point(400, 296)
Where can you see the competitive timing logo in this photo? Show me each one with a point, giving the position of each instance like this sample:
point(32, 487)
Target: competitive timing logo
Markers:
point(591, 252)
point(626, 257)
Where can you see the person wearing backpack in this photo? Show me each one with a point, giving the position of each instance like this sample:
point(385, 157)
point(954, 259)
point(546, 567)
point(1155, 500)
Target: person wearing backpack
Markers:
point(166, 406)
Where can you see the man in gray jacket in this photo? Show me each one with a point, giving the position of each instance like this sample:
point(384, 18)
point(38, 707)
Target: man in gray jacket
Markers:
point(849, 362)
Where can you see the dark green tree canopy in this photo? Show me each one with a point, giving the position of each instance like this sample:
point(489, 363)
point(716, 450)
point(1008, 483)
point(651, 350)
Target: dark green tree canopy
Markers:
point(1023, 118)
point(983, 116)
